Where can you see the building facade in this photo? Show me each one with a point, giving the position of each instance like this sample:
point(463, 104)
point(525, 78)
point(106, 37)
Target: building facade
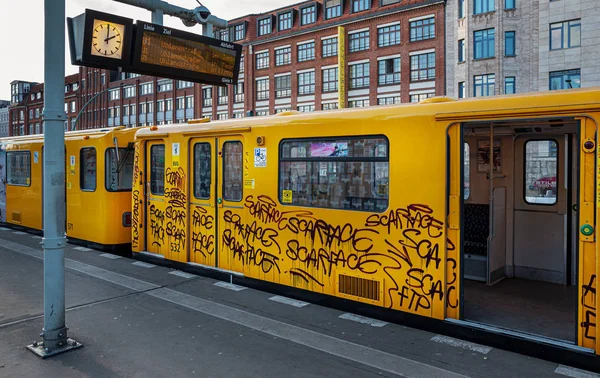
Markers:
point(514, 46)
point(4, 118)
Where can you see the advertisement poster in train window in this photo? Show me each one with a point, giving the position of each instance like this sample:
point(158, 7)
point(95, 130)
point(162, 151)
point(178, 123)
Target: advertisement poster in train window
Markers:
point(483, 156)
point(2, 185)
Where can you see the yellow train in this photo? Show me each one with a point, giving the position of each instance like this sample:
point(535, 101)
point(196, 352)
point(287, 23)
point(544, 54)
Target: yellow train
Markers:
point(480, 211)
point(99, 165)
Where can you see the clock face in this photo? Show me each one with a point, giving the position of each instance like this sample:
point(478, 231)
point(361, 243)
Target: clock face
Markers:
point(107, 39)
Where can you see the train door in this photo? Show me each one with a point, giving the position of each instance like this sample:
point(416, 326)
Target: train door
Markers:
point(156, 204)
point(519, 247)
point(203, 201)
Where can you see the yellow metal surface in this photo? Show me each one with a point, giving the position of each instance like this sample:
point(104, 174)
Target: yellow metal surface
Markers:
point(404, 258)
point(92, 216)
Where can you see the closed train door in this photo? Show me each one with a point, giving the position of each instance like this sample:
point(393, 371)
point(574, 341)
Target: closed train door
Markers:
point(156, 204)
point(202, 201)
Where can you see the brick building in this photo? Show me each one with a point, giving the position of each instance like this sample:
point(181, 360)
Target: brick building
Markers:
point(394, 52)
point(4, 118)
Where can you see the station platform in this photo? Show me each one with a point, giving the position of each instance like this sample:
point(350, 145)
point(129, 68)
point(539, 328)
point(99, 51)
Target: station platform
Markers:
point(137, 319)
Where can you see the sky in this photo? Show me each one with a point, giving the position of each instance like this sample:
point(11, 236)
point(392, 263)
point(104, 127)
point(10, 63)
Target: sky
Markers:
point(22, 28)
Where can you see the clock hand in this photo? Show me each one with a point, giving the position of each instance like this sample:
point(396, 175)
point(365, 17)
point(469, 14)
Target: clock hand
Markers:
point(107, 32)
point(108, 39)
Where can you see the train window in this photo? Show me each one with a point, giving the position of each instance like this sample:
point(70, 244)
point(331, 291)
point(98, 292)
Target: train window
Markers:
point(18, 168)
point(157, 169)
point(467, 181)
point(202, 170)
point(341, 173)
point(87, 173)
point(541, 164)
point(119, 169)
point(232, 171)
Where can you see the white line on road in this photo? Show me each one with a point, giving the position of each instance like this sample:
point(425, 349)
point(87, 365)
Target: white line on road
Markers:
point(363, 320)
point(575, 373)
point(230, 286)
point(179, 273)
point(289, 301)
point(461, 344)
point(82, 249)
point(19, 233)
point(143, 264)
point(377, 359)
point(110, 256)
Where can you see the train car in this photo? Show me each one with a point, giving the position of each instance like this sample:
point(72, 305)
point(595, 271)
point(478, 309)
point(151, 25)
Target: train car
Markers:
point(99, 166)
point(480, 212)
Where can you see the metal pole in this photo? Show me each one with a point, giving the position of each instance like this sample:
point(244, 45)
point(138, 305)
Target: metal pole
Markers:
point(74, 127)
point(54, 332)
point(157, 17)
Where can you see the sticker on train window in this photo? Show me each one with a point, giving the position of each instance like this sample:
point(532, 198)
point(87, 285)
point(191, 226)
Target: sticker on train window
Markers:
point(260, 157)
point(328, 149)
point(287, 196)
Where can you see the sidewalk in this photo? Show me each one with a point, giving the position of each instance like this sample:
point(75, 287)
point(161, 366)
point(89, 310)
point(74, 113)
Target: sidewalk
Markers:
point(140, 320)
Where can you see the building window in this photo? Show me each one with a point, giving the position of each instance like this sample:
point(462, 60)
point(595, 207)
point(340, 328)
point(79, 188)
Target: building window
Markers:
point(329, 47)
point(281, 110)
point(238, 115)
point(222, 116)
point(262, 60)
point(18, 167)
point(169, 104)
point(565, 34)
point(180, 103)
point(388, 100)
point(224, 35)
point(483, 6)
point(129, 91)
point(333, 8)
point(306, 108)
point(329, 106)
point(146, 88)
point(238, 92)
point(223, 98)
point(72, 107)
point(461, 90)
point(541, 161)
point(422, 29)
point(389, 71)
point(184, 84)
point(422, 67)
point(308, 15)
point(461, 50)
point(359, 75)
point(283, 86)
point(118, 178)
point(207, 97)
point(306, 51)
point(189, 102)
point(264, 26)
point(461, 9)
point(306, 83)
point(330, 79)
point(285, 21)
point(484, 44)
point(165, 85)
point(349, 173)
point(510, 48)
point(202, 170)
point(242, 64)
point(421, 96)
point(509, 85)
point(485, 85)
point(262, 89)
point(358, 41)
point(360, 5)
point(31, 112)
point(565, 79)
point(510, 4)
point(114, 94)
point(283, 56)
point(262, 113)
point(388, 35)
point(240, 32)
point(87, 169)
point(233, 164)
point(157, 169)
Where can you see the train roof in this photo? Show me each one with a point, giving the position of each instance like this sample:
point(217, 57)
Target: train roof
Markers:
point(481, 108)
point(69, 135)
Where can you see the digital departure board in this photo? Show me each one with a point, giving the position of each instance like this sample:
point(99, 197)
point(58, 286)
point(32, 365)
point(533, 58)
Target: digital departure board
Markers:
point(167, 52)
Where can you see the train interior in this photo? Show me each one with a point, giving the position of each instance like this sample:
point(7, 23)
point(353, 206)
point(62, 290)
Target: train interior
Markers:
point(519, 223)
